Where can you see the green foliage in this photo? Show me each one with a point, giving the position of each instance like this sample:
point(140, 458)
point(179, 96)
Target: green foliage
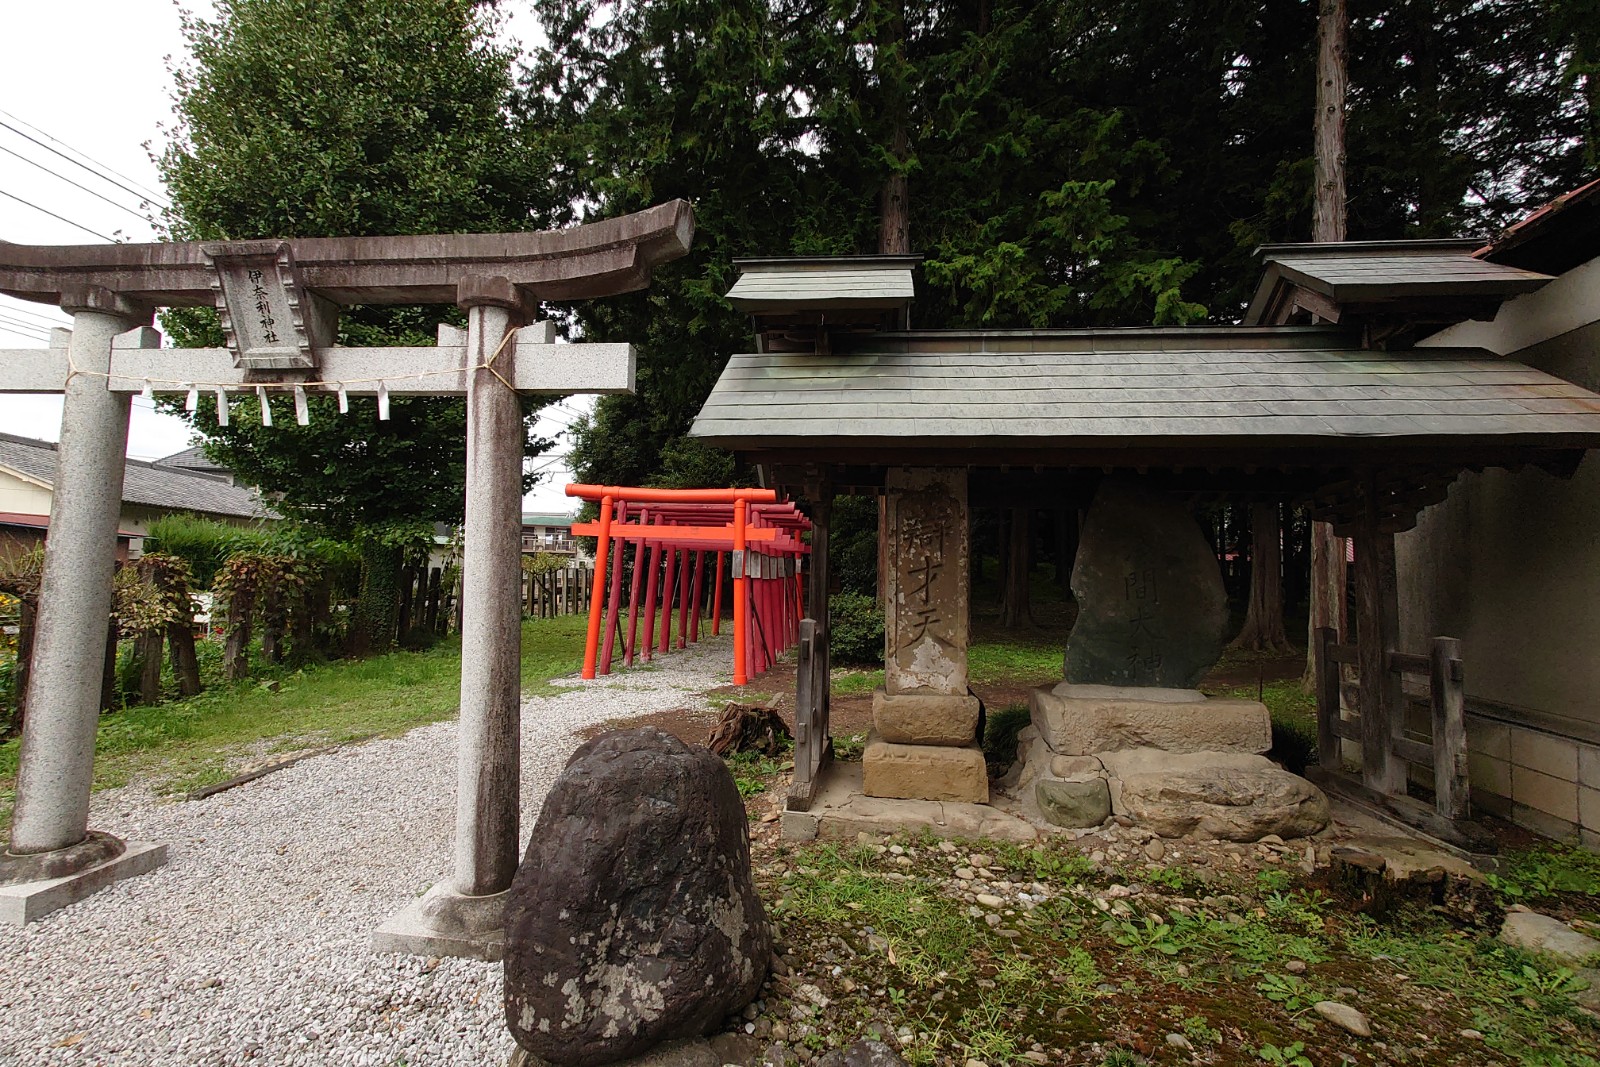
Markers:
point(855, 633)
point(1290, 1055)
point(853, 544)
point(1546, 871)
point(302, 118)
point(1145, 935)
point(204, 543)
point(751, 770)
point(1290, 991)
point(1000, 730)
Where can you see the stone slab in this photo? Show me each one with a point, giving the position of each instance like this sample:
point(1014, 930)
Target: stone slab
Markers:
point(927, 580)
point(924, 772)
point(926, 718)
point(27, 902)
point(1549, 937)
point(1073, 804)
point(842, 810)
point(443, 922)
point(1147, 693)
point(1232, 795)
point(1151, 606)
point(1074, 726)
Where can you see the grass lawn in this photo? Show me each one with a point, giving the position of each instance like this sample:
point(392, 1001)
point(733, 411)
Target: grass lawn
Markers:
point(186, 744)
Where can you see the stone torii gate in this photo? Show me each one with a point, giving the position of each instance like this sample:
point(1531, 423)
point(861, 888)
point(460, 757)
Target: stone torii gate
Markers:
point(280, 302)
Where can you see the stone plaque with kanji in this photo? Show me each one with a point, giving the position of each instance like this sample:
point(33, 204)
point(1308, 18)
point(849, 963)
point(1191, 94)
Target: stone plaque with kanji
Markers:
point(1151, 607)
point(925, 629)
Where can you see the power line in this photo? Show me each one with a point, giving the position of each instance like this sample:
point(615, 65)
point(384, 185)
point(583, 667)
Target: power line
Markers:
point(147, 194)
point(17, 309)
point(17, 326)
point(75, 163)
point(69, 181)
point(52, 214)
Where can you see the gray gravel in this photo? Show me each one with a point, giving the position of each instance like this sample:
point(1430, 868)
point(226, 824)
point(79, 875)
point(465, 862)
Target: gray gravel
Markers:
point(251, 945)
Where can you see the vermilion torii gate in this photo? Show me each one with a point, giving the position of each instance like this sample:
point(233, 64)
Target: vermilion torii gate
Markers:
point(280, 302)
point(763, 536)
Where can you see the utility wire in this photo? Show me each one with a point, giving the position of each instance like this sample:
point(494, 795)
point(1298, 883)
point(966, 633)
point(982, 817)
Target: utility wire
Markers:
point(74, 162)
point(17, 308)
point(22, 329)
point(52, 214)
point(147, 194)
point(69, 181)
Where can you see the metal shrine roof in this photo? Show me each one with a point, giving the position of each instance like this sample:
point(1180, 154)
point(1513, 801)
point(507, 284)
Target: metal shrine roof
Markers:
point(1368, 275)
point(1200, 387)
point(824, 283)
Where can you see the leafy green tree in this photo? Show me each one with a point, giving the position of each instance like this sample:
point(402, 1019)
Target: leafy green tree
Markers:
point(302, 118)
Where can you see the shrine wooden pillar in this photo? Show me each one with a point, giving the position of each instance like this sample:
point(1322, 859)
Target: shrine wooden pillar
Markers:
point(1382, 701)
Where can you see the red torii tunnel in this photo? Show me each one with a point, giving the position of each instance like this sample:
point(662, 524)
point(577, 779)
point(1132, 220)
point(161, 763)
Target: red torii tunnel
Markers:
point(672, 531)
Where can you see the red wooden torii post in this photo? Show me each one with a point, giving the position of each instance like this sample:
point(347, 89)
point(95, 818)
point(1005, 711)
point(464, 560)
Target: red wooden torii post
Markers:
point(763, 536)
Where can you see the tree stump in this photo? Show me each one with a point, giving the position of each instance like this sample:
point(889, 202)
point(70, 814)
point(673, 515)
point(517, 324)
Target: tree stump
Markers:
point(750, 728)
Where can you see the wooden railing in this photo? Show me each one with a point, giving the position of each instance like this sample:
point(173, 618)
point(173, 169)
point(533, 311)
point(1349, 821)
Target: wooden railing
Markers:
point(1445, 753)
point(811, 735)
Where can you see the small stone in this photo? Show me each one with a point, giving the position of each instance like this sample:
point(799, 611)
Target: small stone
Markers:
point(1344, 1017)
point(1551, 937)
point(1295, 966)
point(966, 874)
point(976, 1063)
point(896, 850)
point(992, 919)
point(989, 900)
point(946, 846)
point(750, 1011)
point(780, 1032)
point(1035, 1057)
point(979, 859)
point(1155, 849)
point(1179, 1041)
point(1472, 1035)
point(1270, 839)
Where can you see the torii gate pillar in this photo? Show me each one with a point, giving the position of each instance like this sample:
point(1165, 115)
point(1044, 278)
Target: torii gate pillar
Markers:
point(50, 836)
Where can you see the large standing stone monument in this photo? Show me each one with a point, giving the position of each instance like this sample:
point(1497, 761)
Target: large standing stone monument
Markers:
point(1152, 621)
point(925, 737)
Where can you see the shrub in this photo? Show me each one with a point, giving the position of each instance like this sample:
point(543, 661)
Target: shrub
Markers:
point(1000, 730)
point(856, 629)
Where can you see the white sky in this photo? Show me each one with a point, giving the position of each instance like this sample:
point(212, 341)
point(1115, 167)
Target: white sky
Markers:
point(102, 121)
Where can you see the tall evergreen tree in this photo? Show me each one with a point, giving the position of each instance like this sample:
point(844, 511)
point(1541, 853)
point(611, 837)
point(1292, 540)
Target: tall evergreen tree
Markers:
point(302, 118)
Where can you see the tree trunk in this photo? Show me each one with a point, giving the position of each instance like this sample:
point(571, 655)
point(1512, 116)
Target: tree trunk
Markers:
point(27, 612)
point(894, 204)
point(185, 664)
point(1015, 609)
point(373, 620)
point(432, 622)
point(108, 674)
point(149, 649)
point(274, 623)
point(236, 649)
point(1263, 625)
point(1328, 224)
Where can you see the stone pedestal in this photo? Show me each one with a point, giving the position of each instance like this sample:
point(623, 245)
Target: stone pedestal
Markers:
point(1083, 720)
point(924, 745)
point(443, 922)
point(924, 772)
point(24, 902)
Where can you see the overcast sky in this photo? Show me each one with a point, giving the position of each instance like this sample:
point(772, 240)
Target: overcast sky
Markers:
point(88, 106)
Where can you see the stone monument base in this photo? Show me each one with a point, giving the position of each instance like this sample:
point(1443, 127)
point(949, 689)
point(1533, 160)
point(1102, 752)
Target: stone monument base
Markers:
point(442, 922)
point(926, 718)
point(1081, 720)
point(24, 902)
point(924, 772)
point(1173, 761)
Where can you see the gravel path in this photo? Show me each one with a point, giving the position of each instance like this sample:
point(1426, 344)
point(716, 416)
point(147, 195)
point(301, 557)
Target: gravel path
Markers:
point(251, 945)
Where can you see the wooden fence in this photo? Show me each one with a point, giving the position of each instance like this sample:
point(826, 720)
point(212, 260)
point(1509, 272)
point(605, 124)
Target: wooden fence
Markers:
point(1445, 753)
point(560, 592)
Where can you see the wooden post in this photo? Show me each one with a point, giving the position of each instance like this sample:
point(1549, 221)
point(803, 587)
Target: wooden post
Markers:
point(1451, 784)
point(716, 597)
point(683, 600)
point(632, 639)
point(821, 516)
point(668, 587)
point(699, 594)
point(1329, 756)
point(652, 576)
point(613, 605)
point(1377, 625)
point(803, 787)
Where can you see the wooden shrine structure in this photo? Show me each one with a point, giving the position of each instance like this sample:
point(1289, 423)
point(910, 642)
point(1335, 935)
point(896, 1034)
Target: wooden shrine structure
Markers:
point(1339, 415)
point(280, 302)
point(672, 531)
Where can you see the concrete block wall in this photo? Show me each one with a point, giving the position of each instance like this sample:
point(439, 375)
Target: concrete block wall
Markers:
point(1544, 781)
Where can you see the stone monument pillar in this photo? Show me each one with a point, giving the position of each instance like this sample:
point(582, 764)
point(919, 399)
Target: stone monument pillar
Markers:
point(925, 721)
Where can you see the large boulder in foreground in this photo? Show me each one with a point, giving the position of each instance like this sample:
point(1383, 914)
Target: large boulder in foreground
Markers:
point(1232, 795)
point(633, 919)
